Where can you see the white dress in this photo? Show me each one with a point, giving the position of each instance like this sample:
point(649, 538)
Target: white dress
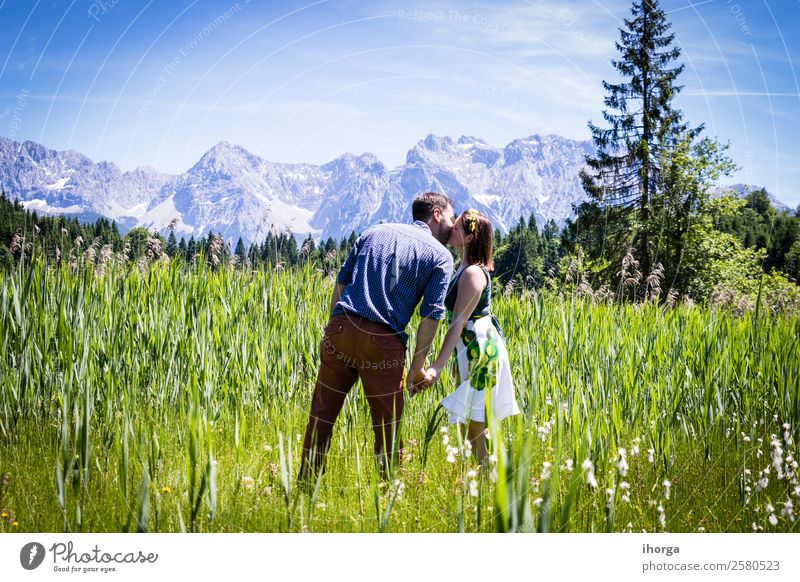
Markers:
point(482, 368)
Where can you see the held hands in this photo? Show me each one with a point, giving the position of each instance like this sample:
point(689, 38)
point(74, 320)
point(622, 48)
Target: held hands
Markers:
point(421, 380)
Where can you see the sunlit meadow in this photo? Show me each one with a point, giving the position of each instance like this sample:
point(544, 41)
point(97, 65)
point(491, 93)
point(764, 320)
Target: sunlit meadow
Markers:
point(171, 398)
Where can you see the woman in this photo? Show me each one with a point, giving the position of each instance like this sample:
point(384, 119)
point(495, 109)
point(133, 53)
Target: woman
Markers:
point(482, 369)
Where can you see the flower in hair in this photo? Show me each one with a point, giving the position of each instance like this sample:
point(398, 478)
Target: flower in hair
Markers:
point(470, 220)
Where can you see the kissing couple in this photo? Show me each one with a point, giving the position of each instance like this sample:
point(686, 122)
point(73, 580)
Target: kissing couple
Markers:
point(391, 269)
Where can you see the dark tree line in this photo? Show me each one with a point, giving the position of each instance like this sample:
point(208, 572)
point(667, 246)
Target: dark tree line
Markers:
point(27, 233)
point(525, 257)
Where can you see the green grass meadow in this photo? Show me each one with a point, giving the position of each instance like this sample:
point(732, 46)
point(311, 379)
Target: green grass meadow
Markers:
point(175, 400)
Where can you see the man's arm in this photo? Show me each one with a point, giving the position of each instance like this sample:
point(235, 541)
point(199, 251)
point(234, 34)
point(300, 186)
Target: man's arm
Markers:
point(431, 312)
point(425, 334)
point(337, 293)
point(345, 276)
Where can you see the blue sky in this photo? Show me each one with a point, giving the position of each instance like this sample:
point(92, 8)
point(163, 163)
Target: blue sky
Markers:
point(159, 82)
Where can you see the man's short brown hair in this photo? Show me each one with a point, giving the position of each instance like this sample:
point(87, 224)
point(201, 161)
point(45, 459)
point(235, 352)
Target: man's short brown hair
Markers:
point(423, 206)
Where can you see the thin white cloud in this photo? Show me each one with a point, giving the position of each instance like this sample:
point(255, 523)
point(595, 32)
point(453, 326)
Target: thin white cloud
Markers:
point(739, 94)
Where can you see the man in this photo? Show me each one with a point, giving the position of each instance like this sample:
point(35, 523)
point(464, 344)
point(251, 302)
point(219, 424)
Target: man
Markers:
point(390, 269)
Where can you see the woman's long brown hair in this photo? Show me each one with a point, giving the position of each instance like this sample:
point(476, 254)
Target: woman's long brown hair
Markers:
point(481, 249)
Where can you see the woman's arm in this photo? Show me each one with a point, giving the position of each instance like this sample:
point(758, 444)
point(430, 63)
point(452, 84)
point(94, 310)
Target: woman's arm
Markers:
point(470, 287)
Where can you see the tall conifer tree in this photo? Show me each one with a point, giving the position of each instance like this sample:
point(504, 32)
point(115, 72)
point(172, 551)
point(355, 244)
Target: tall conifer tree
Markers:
point(624, 175)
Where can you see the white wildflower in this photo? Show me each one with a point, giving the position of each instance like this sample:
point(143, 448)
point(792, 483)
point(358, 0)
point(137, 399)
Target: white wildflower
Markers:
point(788, 510)
point(662, 517)
point(635, 447)
point(777, 461)
point(626, 491)
point(588, 469)
point(545, 471)
point(538, 501)
point(248, 482)
point(651, 455)
point(622, 463)
point(773, 520)
point(544, 430)
point(667, 485)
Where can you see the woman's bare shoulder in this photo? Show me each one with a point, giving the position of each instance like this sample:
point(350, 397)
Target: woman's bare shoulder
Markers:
point(473, 276)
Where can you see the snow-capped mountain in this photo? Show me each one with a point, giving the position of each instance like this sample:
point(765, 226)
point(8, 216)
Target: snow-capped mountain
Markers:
point(235, 193)
point(358, 192)
point(67, 182)
point(535, 175)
